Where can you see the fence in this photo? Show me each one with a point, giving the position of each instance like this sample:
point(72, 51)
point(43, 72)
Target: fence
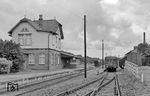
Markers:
point(134, 69)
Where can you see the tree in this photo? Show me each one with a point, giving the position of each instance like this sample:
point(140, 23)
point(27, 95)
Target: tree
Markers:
point(142, 47)
point(12, 51)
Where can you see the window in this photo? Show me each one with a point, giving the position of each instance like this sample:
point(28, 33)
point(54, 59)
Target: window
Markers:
point(52, 58)
point(28, 39)
point(42, 58)
point(53, 40)
point(24, 30)
point(56, 42)
point(74, 60)
point(59, 43)
point(25, 39)
point(21, 39)
point(58, 59)
point(31, 59)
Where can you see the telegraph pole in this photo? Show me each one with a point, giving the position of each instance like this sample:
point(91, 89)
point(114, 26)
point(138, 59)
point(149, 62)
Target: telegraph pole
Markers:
point(103, 54)
point(85, 73)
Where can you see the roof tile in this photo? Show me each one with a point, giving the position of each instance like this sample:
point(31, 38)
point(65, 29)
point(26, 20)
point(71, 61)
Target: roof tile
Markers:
point(46, 25)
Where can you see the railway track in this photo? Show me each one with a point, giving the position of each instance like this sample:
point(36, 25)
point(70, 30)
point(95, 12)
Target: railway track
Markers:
point(44, 83)
point(110, 87)
point(107, 80)
point(105, 85)
point(81, 87)
point(118, 86)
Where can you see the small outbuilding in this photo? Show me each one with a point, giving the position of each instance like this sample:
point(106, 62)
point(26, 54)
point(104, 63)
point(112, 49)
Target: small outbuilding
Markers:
point(66, 58)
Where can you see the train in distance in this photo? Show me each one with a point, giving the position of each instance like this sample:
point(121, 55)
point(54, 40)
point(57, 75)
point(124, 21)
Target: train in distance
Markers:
point(111, 63)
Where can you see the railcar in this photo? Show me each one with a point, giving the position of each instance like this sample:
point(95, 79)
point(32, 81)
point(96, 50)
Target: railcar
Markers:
point(111, 63)
point(122, 62)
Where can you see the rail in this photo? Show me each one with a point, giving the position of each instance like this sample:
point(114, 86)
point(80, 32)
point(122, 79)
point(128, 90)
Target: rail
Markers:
point(118, 86)
point(37, 85)
point(99, 87)
point(57, 80)
point(29, 79)
point(95, 91)
point(33, 80)
point(78, 87)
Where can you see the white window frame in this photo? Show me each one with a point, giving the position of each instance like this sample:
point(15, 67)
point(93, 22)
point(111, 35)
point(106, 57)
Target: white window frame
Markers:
point(59, 43)
point(58, 57)
point(21, 39)
point(28, 39)
point(51, 58)
point(31, 59)
point(56, 42)
point(53, 40)
point(42, 58)
point(24, 30)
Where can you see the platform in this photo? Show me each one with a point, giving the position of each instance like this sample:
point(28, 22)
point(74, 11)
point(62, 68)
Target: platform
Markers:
point(20, 75)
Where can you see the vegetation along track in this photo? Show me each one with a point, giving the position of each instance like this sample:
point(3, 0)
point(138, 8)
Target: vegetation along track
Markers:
point(45, 83)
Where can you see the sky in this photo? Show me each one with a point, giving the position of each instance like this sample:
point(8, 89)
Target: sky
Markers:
point(120, 23)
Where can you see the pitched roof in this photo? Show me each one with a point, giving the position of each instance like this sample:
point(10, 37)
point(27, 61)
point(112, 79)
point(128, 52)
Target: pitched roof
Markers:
point(78, 56)
point(46, 26)
point(66, 54)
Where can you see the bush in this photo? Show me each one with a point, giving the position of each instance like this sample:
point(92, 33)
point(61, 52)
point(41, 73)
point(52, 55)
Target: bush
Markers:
point(12, 51)
point(142, 47)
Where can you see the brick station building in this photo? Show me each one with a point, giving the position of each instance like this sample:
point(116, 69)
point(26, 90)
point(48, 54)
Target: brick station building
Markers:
point(41, 42)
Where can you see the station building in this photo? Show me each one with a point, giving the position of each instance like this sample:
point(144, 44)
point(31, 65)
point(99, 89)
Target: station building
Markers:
point(137, 56)
point(41, 43)
point(134, 56)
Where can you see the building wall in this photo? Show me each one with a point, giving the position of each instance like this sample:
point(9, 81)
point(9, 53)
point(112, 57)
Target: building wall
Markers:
point(76, 61)
point(40, 45)
point(54, 60)
point(135, 58)
point(39, 39)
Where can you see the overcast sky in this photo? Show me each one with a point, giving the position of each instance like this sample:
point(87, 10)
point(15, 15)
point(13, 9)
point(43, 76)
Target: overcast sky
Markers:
point(120, 23)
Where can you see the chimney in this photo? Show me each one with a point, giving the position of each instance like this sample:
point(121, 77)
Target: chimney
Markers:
point(40, 17)
point(144, 38)
point(40, 20)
